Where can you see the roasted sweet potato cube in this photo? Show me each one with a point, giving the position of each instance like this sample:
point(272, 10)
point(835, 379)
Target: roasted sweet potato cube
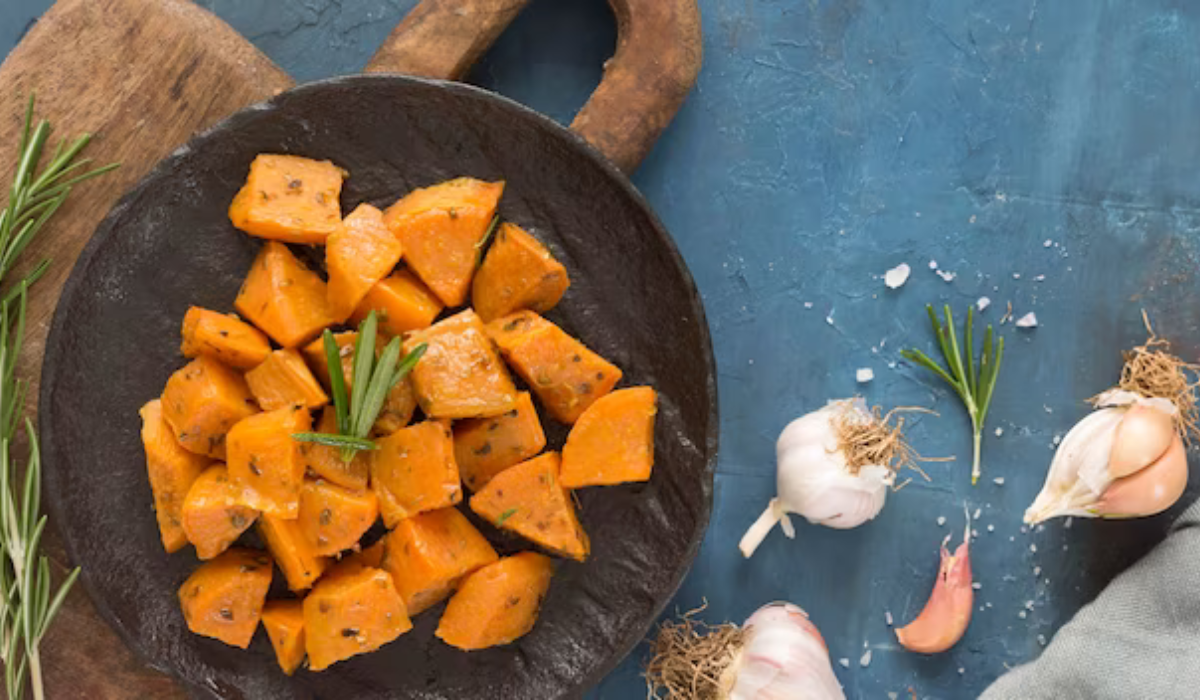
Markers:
point(398, 408)
point(223, 599)
point(267, 462)
point(202, 401)
point(351, 611)
point(460, 375)
point(401, 401)
point(361, 252)
point(332, 518)
point(565, 375)
point(284, 621)
point(213, 515)
point(613, 441)
point(283, 297)
point(442, 228)
point(289, 198)
point(300, 564)
point(498, 603)
point(284, 380)
point(401, 302)
point(327, 463)
point(172, 472)
point(529, 500)
point(428, 554)
point(314, 353)
point(223, 337)
point(413, 471)
point(484, 447)
point(517, 273)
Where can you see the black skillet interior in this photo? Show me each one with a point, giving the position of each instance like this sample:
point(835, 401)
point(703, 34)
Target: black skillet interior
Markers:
point(169, 244)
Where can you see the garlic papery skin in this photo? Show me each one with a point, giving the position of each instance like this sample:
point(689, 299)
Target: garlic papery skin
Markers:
point(814, 480)
point(1109, 449)
point(783, 657)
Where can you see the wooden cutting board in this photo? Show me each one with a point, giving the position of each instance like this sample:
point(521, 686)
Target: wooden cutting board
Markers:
point(144, 75)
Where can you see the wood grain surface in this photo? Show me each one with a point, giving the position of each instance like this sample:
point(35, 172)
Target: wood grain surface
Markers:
point(144, 75)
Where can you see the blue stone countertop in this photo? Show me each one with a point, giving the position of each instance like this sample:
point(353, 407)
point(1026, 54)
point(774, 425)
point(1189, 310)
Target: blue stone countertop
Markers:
point(1045, 153)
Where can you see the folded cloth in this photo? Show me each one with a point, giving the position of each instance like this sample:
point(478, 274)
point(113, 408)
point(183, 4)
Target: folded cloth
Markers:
point(1139, 639)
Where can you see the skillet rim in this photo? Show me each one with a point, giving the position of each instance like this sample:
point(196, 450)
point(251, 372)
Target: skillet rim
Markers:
point(106, 230)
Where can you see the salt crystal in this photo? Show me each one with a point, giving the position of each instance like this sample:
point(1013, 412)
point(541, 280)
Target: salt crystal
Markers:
point(829, 319)
point(933, 264)
point(974, 533)
point(982, 303)
point(989, 605)
point(961, 670)
point(941, 520)
point(865, 659)
point(946, 276)
point(1039, 278)
point(999, 481)
point(1016, 275)
point(1024, 529)
point(1029, 605)
point(1057, 439)
point(1022, 615)
point(887, 617)
point(1066, 547)
point(1029, 320)
point(897, 276)
point(864, 375)
point(1047, 243)
point(808, 304)
point(991, 528)
point(978, 512)
point(1041, 639)
point(1047, 409)
point(1068, 523)
point(1033, 548)
point(845, 663)
point(1037, 571)
point(1047, 582)
point(999, 432)
point(976, 585)
point(893, 696)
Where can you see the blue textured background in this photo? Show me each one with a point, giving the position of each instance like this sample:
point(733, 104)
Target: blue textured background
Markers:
point(826, 142)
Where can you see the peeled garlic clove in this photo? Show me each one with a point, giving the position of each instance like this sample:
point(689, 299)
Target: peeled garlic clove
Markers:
point(1149, 491)
point(945, 617)
point(1143, 435)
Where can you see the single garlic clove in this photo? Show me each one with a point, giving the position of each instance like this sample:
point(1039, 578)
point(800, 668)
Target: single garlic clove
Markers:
point(1143, 435)
point(1149, 491)
point(944, 619)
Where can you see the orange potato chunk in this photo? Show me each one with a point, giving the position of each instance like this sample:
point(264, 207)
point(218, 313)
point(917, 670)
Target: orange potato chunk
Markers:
point(283, 297)
point(358, 254)
point(283, 380)
point(413, 471)
point(498, 603)
point(517, 273)
point(371, 556)
point(284, 621)
point(202, 401)
point(613, 441)
point(442, 228)
point(223, 599)
point(529, 500)
point(565, 375)
point(460, 375)
point(428, 554)
point(351, 611)
point(300, 564)
point(267, 462)
point(484, 447)
point(172, 471)
point(401, 302)
point(289, 198)
point(401, 401)
point(326, 462)
point(223, 337)
point(332, 518)
point(213, 516)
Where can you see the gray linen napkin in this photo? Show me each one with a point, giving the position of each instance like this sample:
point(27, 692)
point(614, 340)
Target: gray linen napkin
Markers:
point(1139, 639)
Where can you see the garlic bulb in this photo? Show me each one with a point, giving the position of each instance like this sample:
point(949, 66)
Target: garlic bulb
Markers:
point(815, 477)
point(778, 654)
point(783, 656)
point(1125, 459)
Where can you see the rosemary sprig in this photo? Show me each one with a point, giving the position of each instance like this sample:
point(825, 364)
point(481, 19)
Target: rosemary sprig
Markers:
point(28, 600)
point(487, 235)
point(974, 385)
point(372, 379)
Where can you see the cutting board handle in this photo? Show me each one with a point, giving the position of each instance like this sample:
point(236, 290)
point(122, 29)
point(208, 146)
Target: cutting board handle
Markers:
point(645, 82)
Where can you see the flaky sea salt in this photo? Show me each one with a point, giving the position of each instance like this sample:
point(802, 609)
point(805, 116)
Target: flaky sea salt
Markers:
point(1029, 320)
point(946, 276)
point(982, 303)
point(897, 276)
point(864, 375)
point(999, 432)
point(844, 662)
point(865, 659)
point(941, 520)
point(976, 585)
point(999, 481)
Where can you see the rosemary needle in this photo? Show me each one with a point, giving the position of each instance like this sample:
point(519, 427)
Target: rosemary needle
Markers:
point(973, 384)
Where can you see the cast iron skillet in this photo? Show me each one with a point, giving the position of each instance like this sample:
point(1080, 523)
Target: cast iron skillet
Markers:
point(168, 244)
